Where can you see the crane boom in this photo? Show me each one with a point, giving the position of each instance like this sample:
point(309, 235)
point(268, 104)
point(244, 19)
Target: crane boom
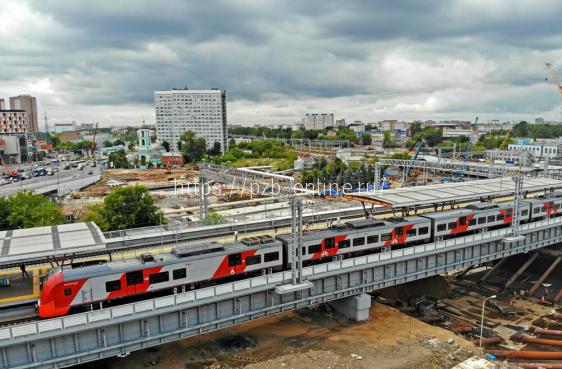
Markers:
point(554, 77)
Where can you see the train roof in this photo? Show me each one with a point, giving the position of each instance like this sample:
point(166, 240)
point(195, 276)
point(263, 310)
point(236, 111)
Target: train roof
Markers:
point(448, 214)
point(479, 206)
point(179, 254)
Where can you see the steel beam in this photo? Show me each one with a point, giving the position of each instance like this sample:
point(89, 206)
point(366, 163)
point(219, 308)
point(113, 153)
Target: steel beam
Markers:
point(524, 267)
point(545, 275)
point(491, 271)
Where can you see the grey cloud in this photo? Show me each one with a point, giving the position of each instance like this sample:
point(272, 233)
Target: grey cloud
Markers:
point(275, 55)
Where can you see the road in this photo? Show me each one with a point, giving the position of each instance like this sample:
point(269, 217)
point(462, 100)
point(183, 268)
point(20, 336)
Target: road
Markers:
point(63, 182)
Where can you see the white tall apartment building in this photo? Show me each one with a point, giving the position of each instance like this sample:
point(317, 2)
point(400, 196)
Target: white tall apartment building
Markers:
point(201, 111)
point(318, 121)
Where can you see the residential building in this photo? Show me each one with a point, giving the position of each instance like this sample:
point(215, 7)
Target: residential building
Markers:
point(27, 103)
point(539, 120)
point(318, 121)
point(201, 111)
point(13, 122)
point(340, 122)
point(65, 127)
point(539, 151)
point(357, 126)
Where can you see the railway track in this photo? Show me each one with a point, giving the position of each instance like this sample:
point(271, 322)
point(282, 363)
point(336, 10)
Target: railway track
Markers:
point(17, 315)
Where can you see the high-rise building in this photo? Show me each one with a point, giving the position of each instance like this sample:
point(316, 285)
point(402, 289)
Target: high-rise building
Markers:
point(318, 121)
point(201, 111)
point(13, 122)
point(27, 103)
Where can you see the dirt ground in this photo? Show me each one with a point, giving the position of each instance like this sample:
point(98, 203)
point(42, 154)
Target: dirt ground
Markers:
point(152, 178)
point(310, 339)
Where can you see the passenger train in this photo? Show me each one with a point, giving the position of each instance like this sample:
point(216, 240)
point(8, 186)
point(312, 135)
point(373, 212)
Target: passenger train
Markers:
point(73, 287)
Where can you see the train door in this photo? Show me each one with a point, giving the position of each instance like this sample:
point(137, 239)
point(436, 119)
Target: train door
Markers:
point(134, 281)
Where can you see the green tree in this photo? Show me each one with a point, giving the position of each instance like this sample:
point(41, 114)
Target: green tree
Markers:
point(166, 145)
point(298, 134)
point(366, 139)
point(4, 212)
point(93, 213)
point(26, 210)
point(215, 150)
point(129, 207)
point(521, 129)
point(387, 141)
point(192, 147)
point(119, 160)
point(214, 218)
point(415, 128)
point(107, 143)
point(118, 142)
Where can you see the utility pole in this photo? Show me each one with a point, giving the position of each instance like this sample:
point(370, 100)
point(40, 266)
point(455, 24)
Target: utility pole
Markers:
point(518, 179)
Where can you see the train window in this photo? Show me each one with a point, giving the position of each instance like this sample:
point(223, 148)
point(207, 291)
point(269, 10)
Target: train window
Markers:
point(500, 217)
point(536, 210)
point(179, 273)
point(543, 209)
point(359, 241)
point(344, 244)
point(67, 291)
point(253, 260)
point(525, 212)
point(134, 278)
point(441, 227)
point(303, 251)
point(314, 249)
point(481, 220)
point(111, 286)
point(411, 232)
point(373, 239)
point(452, 225)
point(386, 236)
point(234, 259)
point(159, 277)
point(423, 230)
point(472, 222)
point(491, 218)
point(271, 256)
point(508, 212)
point(462, 221)
point(399, 232)
point(329, 243)
point(557, 206)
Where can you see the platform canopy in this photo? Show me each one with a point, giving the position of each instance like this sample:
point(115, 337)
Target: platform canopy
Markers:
point(457, 192)
point(31, 244)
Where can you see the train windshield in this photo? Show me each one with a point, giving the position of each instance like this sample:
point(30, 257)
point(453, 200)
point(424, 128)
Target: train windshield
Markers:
point(52, 272)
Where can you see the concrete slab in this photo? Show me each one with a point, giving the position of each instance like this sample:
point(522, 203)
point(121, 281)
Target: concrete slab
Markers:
point(355, 307)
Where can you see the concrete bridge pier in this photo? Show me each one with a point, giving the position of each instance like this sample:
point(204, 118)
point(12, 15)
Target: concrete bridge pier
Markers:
point(354, 307)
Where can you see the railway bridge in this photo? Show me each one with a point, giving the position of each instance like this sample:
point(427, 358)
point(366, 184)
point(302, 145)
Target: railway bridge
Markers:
point(118, 330)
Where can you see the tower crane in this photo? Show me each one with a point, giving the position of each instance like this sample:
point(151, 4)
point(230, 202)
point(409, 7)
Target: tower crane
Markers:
point(556, 81)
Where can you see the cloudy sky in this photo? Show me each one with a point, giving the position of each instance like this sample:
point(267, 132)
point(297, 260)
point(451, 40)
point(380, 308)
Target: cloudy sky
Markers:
point(370, 60)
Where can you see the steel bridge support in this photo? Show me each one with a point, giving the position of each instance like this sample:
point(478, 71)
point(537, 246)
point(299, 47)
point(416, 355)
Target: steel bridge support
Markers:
point(521, 270)
point(545, 275)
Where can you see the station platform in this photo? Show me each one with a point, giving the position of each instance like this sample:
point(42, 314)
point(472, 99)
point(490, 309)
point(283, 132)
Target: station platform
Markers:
point(21, 290)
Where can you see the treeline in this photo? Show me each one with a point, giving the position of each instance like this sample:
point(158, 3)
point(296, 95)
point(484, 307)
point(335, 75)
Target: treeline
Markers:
point(524, 129)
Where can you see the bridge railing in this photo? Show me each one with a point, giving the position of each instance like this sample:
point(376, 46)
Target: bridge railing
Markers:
point(265, 282)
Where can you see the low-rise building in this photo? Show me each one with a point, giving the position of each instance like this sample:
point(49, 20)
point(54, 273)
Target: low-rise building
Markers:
point(70, 136)
point(65, 127)
point(539, 151)
point(172, 158)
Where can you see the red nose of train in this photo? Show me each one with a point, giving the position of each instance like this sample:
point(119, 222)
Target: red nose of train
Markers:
point(47, 306)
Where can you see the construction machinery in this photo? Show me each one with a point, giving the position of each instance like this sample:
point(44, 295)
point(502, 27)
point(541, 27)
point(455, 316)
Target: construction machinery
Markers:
point(556, 81)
